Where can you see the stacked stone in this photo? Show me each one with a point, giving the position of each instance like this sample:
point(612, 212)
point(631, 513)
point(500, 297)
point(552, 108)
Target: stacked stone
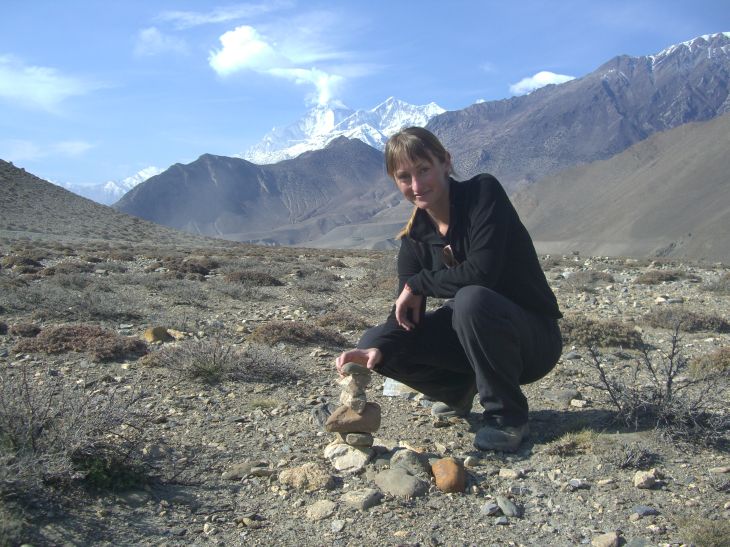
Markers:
point(354, 422)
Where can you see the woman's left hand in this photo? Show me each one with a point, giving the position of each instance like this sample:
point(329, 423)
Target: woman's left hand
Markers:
point(408, 309)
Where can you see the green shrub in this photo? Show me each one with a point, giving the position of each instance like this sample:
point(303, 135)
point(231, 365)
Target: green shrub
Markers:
point(671, 317)
point(580, 331)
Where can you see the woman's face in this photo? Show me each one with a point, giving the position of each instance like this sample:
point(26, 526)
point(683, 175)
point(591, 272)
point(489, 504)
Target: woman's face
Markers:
point(424, 182)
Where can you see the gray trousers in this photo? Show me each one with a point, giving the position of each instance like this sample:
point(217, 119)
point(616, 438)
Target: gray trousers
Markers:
point(478, 336)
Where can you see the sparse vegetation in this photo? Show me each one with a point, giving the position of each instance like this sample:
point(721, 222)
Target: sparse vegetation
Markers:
point(100, 344)
point(25, 330)
point(704, 532)
point(296, 332)
point(572, 443)
point(630, 456)
point(717, 362)
point(587, 280)
point(656, 277)
point(720, 286)
point(253, 278)
point(685, 320)
point(582, 331)
point(345, 320)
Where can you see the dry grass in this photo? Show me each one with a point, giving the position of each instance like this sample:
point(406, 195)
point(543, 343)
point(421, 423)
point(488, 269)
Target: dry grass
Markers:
point(580, 331)
point(297, 333)
point(666, 317)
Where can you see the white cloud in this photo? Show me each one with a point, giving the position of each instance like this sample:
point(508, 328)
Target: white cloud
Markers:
point(244, 48)
point(37, 86)
point(17, 151)
point(541, 79)
point(150, 41)
point(188, 19)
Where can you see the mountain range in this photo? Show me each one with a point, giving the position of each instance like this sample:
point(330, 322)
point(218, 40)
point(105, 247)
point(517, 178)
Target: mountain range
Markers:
point(110, 191)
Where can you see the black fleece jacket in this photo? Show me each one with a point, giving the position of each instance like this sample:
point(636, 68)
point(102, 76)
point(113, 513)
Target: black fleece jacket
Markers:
point(492, 249)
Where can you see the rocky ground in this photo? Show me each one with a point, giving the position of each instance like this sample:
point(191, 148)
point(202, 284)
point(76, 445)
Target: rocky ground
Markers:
point(231, 451)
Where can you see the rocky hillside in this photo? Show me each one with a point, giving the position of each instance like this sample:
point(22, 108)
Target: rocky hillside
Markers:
point(666, 196)
point(290, 202)
point(622, 102)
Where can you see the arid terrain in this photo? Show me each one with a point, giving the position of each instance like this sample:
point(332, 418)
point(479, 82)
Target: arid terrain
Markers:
point(186, 437)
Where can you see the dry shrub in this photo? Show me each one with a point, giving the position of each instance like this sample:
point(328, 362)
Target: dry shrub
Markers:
point(253, 278)
point(190, 265)
point(655, 277)
point(586, 280)
point(73, 268)
point(704, 532)
point(712, 363)
point(656, 393)
point(667, 317)
point(121, 256)
point(297, 333)
point(572, 443)
point(316, 279)
point(721, 286)
point(55, 432)
point(630, 456)
point(15, 261)
point(25, 330)
point(581, 331)
point(100, 344)
point(344, 320)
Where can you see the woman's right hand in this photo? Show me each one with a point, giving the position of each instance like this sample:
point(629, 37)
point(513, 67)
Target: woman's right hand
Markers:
point(369, 358)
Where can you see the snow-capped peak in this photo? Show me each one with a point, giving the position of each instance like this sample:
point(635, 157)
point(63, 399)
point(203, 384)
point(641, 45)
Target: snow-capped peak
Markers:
point(713, 43)
point(323, 123)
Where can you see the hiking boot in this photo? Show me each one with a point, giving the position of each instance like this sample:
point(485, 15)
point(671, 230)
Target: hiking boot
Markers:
point(501, 437)
point(462, 408)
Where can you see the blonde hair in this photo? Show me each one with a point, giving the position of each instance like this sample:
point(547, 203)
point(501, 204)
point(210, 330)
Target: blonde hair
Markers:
point(412, 143)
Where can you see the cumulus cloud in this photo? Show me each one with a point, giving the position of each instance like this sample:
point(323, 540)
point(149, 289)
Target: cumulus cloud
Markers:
point(188, 19)
point(37, 86)
point(541, 79)
point(150, 41)
point(244, 48)
point(17, 150)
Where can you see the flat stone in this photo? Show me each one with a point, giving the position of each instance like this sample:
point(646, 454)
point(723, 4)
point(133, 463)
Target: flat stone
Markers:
point(490, 509)
point(359, 439)
point(645, 511)
point(502, 521)
point(355, 402)
point(508, 507)
point(720, 470)
point(241, 470)
point(337, 526)
point(393, 388)
point(355, 384)
point(362, 500)
point(308, 477)
point(346, 420)
point(449, 474)
point(578, 484)
point(350, 459)
point(571, 355)
point(398, 482)
point(507, 473)
point(414, 463)
point(321, 509)
point(611, 539)
point(350, 369)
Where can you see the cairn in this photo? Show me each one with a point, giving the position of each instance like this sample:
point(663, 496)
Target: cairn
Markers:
point(354, 422)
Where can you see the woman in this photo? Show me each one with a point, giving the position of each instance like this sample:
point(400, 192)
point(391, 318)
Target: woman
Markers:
point(498, 329)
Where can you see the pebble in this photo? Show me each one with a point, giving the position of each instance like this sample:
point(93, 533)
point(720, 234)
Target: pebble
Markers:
point(350, 369)
point(572, 355)
point(645, 511)
point(472, 461)
point(611, 539)
point(449, 474)
point(398, 482)
point(501, 521)
point(578, 484)
point(508, 507)
point(720, 470)
point(362, 500)
point(562, 396)
point(519, 490)
point(359, 439)
point(507, 473)
point(321, 509)
point(337, 526)
point(346, 420)
point(308, 477)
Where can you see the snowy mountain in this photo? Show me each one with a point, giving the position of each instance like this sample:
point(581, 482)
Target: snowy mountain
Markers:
point(109, 192)
point(324, 123)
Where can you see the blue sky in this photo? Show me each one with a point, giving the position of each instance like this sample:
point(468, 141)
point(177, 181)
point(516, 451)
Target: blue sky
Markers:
point(96, 90)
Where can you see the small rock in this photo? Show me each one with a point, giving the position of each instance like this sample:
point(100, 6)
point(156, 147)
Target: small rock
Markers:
point(449, 474)
point(241, 470)
point(359, 439)
point(209, 529)
point(501, 521)
point(578, 403)
point(507, 473)
point(645, 511)
point(720, 470)
point(611, 539)
point(393, 388)
point(398, 482)
point(350, 369)
point(472, 461)
point(321, 509)
point(562, 396)
point(321, 413)
point(355, 402)
point(490, 509)
point(350, 459)
point(337, 526)
point(156, 334)
point(346, 420)
point(308, 477)
point(572, 355)
point(362, 500)
point(508, 507)
point(578, 484)
point(646, 479)
point(520, 490)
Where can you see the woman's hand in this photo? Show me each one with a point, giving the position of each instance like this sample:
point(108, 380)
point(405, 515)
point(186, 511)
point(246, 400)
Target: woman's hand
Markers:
point(370, 358)
point(407, 301)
